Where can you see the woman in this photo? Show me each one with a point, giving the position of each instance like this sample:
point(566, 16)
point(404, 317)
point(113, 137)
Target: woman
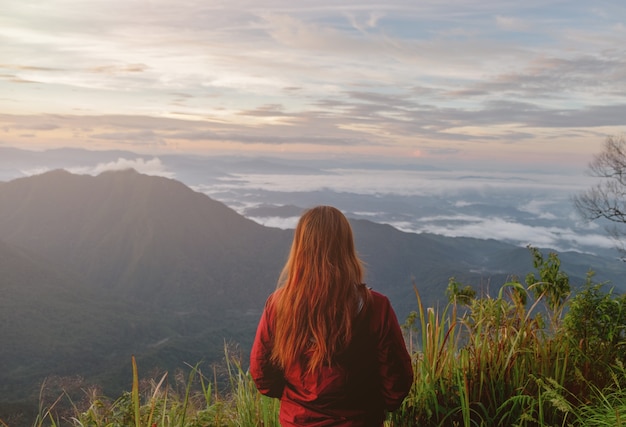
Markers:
point(327, 346)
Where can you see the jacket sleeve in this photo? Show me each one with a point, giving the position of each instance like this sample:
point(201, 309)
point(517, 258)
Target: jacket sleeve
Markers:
point(394, 361)
point(268, 378)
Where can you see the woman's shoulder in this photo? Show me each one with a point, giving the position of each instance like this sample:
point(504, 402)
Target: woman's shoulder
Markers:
point(378, 297)
point(270, 302)
point(377, 301)
point(276, 294)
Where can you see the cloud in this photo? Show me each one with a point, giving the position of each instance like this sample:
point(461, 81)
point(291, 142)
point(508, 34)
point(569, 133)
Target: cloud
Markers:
point(118, 69)
point(560, 238)
point(509, 23)
point(132, 137)
point(404, 182)
point(538, 208)
point(152, 166)
point(37, 126)
point(523, 208)
point(398, 76)
point(277, 222)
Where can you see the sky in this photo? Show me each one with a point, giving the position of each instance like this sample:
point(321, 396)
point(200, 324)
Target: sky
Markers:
point(491, 83)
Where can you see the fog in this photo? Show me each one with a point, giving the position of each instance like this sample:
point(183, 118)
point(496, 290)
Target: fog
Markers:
point(524, 209)
point(520, 207)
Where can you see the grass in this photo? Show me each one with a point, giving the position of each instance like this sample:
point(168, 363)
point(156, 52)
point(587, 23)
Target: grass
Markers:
point(518, 360)
point(511, 360)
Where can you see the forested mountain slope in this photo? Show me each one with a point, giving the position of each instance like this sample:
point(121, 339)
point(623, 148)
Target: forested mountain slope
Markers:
point(94, 269)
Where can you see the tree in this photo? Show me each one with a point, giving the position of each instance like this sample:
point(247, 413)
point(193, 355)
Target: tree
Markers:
point(596, 325)
point(457, 293)
point(607, 199)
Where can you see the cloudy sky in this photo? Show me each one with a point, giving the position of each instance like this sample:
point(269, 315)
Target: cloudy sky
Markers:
point(499, 82)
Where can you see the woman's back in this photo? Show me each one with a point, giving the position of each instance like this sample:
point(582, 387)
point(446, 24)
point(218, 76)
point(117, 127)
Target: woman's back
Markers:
point(372, 375)
point(332, 362)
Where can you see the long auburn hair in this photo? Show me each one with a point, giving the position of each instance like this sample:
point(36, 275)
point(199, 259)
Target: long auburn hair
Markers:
point(318, 291)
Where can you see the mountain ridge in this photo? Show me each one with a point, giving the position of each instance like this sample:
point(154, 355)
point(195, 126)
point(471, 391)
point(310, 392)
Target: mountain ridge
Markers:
point(75, 220)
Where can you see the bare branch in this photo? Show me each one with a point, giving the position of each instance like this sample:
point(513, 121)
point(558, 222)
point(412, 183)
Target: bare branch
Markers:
point(607, 199)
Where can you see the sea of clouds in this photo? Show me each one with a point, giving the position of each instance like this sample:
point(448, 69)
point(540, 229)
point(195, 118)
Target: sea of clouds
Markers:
point(520, 207)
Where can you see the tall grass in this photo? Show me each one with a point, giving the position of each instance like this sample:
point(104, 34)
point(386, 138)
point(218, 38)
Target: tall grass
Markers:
point(512, 360)
point(192, 401)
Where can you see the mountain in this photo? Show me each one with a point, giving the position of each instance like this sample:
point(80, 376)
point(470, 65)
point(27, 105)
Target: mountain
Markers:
point(141, 237)
point(51, 324)
point(96, 268)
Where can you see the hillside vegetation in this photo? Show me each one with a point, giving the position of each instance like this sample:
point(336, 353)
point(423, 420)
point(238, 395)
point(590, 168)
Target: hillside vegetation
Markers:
point(533, 355)
point(96, 269)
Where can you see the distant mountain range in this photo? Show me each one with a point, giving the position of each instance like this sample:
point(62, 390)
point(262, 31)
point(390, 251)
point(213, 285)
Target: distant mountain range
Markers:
point(94, 269)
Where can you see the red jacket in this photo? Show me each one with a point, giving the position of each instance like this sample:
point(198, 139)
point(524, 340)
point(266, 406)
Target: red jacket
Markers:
point(371, 376)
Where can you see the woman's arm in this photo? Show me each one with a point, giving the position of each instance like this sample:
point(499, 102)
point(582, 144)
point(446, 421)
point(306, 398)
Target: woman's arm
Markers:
point(268, 378)
point(394, 361)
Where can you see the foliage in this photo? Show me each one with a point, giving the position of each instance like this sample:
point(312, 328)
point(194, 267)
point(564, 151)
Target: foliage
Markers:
point(499, 363)
point(191, 401)
point(596, 326)
point(459, 294)
point(552, 283)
